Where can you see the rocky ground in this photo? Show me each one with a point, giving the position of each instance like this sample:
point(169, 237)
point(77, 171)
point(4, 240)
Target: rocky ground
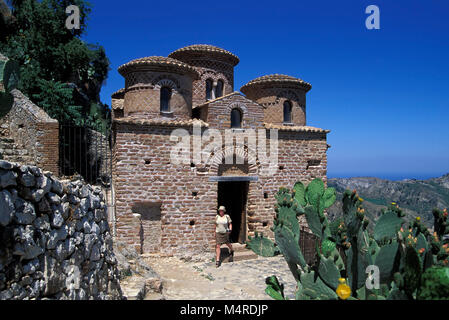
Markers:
point(198, 280)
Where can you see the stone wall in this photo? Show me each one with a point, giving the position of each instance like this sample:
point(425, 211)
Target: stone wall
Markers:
point(55, 239)
point(29, 135)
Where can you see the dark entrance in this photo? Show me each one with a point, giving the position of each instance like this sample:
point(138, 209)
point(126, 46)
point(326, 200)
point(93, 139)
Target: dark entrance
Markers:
point(233, 195)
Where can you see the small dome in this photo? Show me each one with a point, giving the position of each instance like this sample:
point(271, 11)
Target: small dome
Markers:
point(195, 49)
point(119, 94)
point(156, 63)
point(277, 80)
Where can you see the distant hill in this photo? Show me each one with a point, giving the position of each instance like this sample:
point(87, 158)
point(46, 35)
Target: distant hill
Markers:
point(417, 197)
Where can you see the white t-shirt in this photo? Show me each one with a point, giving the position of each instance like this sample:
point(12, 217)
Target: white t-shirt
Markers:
point(222, 223)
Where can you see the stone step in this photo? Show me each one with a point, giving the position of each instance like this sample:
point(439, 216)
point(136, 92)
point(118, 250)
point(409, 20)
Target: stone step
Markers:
point(239, 247)
point(239, 256)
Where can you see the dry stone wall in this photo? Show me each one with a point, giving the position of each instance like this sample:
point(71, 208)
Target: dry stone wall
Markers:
point(55, 241)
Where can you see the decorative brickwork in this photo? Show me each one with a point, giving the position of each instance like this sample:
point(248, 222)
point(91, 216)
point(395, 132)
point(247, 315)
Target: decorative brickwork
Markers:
point(272, 91)
point(169, 206)
point(211, 63)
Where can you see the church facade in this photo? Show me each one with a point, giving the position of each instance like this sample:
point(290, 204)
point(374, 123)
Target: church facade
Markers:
point(185, 143)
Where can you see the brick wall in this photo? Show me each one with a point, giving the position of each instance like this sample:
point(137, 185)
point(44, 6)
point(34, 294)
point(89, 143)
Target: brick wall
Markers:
point(142, 95)
point(272, 99)
point(210, 68)
point(188, 200)
point(217, 113)
point(32, 132)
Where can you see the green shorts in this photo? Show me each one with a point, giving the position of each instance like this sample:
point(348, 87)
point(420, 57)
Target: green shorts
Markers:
point(222, 238)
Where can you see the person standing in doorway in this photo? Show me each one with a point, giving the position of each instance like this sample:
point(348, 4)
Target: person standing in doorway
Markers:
point(223, 229)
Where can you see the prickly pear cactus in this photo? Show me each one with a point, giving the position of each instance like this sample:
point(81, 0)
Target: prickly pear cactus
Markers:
point(262, 246)
point(327, 247)
point(410, 259)
point(435, 284)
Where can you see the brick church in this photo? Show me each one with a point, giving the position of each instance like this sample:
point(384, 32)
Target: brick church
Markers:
point(168, 206)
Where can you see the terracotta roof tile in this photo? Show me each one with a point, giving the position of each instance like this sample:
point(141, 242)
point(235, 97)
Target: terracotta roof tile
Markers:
point(295, 128)
point(217, 99)
point(164, 122)
point(119, 94)
point(204, 48)
point(157, 63)
point(279, 79)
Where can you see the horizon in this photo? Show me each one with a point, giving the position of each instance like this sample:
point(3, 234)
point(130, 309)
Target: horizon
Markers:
point(382, 93)
point(387, 176)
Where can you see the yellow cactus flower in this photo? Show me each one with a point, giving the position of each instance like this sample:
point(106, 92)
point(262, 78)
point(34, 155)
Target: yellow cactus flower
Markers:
point(418, 218)
point(343, 290)
point(393, 203)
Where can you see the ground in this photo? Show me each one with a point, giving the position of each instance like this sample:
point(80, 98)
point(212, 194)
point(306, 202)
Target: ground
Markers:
point(232, 281)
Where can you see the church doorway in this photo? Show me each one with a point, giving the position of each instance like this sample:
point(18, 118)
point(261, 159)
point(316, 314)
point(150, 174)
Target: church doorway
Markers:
point(233, 195)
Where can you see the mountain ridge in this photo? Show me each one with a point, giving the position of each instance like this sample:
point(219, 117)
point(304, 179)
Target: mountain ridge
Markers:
point(416, 197)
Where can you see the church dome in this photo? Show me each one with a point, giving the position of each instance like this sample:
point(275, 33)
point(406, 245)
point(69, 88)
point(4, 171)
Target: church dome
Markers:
point(277, 80)
point(186, 53)
point(156, 63)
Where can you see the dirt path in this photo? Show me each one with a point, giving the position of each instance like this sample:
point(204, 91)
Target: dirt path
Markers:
point(232, 281)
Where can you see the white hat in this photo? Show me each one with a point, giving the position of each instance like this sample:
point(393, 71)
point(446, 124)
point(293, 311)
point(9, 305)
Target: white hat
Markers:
point(222, 208)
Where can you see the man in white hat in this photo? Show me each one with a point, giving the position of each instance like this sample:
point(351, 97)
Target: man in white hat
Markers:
point(223, 228)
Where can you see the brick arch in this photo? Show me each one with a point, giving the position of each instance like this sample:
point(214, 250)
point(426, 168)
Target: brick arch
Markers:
point(166, 82)
point(220, 154)
point(214, 76)
point(288, 95)
point(239, 105)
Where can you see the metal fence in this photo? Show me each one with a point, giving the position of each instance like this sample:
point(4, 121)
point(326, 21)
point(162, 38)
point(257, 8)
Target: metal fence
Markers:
point(86, 152)
point(307, 243)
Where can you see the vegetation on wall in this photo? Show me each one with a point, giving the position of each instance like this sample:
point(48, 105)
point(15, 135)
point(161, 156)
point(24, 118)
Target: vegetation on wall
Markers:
point(9, 78)
point(59, 71)
point(412, 261)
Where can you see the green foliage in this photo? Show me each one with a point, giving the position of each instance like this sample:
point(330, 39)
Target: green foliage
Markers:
point(51, 57)
point(274, 288)
point(54, 94)
point(300, 193)
point(435, 284)
point(9, 77)
point(327, 247)
point(412, 261)
point(312, 287)
point(262, 246)
point(387, 226)
point(329, 272)
point(288, 244)
point(385, 260)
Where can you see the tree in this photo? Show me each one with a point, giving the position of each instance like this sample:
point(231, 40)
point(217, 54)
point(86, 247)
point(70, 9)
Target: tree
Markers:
point(59, 71)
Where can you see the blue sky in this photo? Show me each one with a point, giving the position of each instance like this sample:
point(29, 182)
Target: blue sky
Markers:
point(384, 93)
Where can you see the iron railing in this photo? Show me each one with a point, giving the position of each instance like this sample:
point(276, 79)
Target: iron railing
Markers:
point(307, 243)
point(86, 151)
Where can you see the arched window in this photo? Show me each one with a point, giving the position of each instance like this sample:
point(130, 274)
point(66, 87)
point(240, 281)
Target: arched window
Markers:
point(236, 118)
point(209, 85)
point(287, 112)
point(219, 89)
point(165, 99)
